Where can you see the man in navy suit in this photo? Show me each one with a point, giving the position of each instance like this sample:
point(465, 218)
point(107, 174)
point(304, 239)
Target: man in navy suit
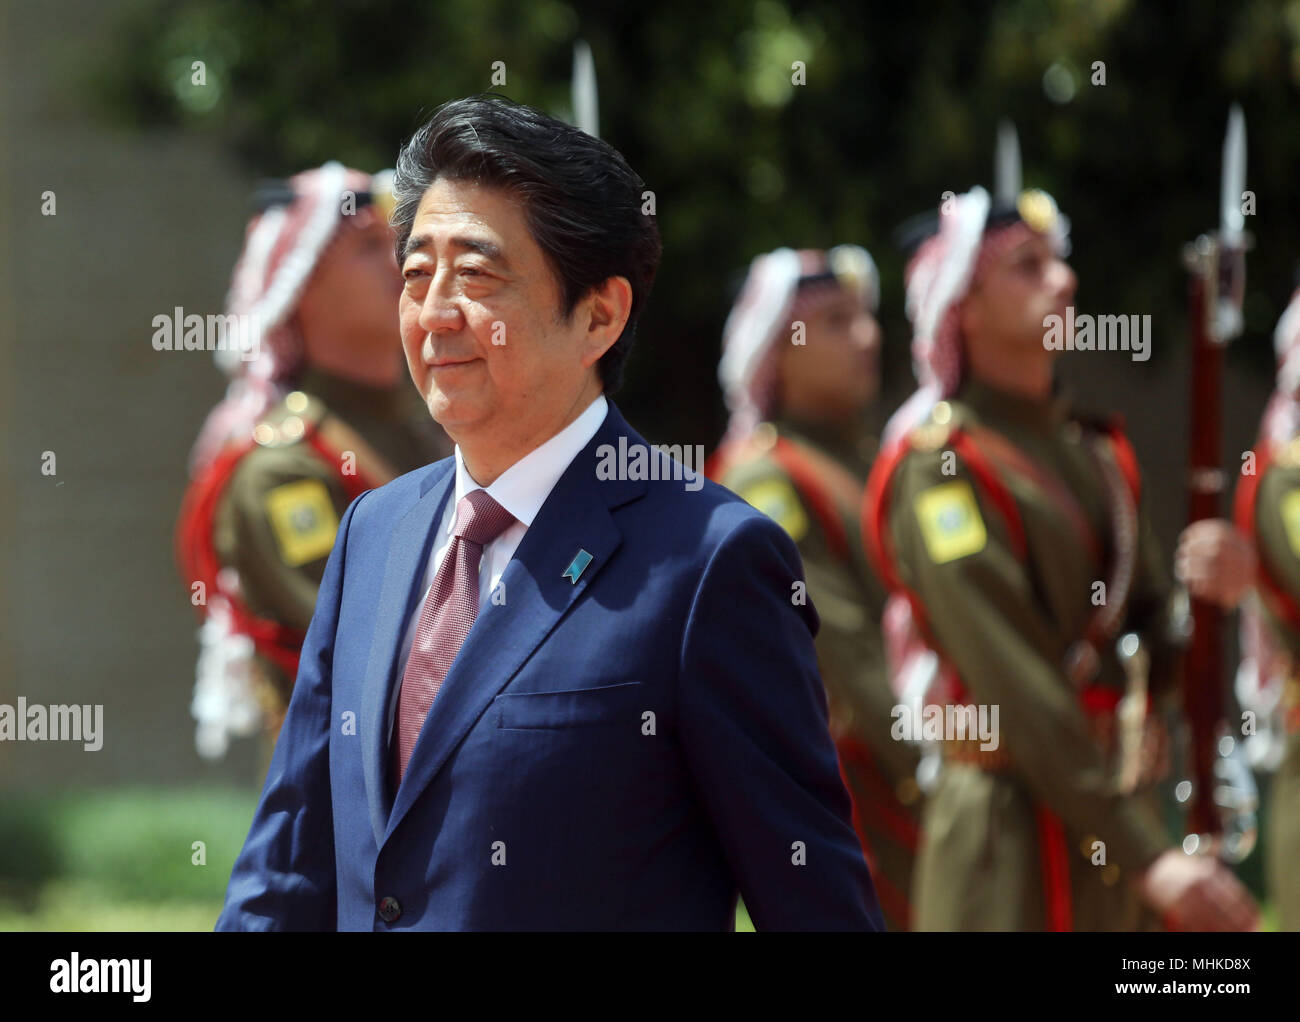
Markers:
point(534, 697)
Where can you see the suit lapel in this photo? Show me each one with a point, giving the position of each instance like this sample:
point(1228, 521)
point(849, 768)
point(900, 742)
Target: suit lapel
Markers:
point(576, 516)
point(408, 553)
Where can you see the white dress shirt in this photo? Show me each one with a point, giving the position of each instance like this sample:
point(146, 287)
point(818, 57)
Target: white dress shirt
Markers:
point(521, 489)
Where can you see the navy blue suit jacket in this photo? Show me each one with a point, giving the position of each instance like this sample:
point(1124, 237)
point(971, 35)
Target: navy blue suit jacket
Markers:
point(624, 752)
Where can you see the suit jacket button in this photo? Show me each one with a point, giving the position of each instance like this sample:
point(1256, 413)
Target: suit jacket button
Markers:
point(390, 909)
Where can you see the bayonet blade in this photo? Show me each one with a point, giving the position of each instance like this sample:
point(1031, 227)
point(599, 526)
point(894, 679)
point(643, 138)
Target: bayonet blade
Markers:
point(586, 107)
point(1006, 169)
point(1231, 221)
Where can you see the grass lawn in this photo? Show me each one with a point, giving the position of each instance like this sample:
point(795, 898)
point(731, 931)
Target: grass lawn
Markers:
point(122, 860)
point(125, 859)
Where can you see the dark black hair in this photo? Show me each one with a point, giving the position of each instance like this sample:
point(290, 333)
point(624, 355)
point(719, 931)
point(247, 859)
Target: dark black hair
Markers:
point(582, 202)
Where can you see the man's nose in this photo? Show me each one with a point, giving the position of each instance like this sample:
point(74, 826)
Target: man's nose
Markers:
point(1064, 281)
point(866, 332)
point(439, 313)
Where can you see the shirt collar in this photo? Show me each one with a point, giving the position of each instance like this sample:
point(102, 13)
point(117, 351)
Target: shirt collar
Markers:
point(522, 489)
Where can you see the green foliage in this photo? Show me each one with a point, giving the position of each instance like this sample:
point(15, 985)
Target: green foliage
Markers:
point(126, 844)
point(901, 103)
point(83, 908)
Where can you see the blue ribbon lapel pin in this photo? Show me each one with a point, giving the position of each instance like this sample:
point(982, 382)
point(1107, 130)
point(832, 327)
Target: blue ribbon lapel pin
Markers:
point(577, 566)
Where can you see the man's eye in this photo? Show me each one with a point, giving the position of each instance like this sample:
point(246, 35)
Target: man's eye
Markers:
point(471, 271)
point(412, 273)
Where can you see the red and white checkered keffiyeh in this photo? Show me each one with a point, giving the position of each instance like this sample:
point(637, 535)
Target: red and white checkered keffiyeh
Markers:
point(938, 279)
point(770, 301)
point(282, 248)
point(1281, 419)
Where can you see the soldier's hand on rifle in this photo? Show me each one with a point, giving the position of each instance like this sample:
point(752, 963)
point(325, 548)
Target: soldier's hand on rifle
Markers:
point(1215, 561)
point(1197, 892)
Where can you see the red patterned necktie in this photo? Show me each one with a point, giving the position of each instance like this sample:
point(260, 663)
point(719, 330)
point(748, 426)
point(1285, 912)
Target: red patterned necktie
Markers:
point(446, 618)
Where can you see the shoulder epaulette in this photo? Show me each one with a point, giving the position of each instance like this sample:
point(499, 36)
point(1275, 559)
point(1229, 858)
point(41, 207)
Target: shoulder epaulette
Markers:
point(1286, 455)
point(290, 420)
point(935, 432)
point(929, 436)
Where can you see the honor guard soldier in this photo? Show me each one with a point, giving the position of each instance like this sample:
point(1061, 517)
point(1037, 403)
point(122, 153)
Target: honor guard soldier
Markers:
point(1028, 601)
point(800, 365)
point(1257, 565)
point(318, 410)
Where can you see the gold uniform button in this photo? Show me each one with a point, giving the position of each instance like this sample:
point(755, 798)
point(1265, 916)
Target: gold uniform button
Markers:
point(764, 436)
point(942, 413)
point(292, 428)
point(929, 436)
point(1110, 874)
point(296, 402)
point(1085, 846)
point(264, 434)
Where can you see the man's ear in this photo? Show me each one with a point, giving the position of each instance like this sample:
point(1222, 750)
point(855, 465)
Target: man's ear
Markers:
point(607, 308)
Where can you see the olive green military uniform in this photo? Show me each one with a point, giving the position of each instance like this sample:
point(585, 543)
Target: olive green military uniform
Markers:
point(276, 520)
point(1277, 532)
point(1005, 623)
point(849, 600)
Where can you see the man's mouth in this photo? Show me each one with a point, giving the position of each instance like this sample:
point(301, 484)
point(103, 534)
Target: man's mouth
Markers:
point(450, 363)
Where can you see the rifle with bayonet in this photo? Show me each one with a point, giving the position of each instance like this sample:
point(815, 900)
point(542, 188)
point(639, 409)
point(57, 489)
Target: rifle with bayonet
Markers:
point(1221, 791)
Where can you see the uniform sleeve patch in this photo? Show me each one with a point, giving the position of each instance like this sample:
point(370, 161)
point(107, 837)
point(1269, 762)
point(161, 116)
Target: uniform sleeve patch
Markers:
point(950, 521)
point(303, 519)
point(776, 499)
point(1290, 509)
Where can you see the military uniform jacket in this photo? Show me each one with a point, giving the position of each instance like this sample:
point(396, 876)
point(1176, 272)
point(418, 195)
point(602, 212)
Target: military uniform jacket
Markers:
point(1004, 573)
point(271, 506)
point(1268, 510)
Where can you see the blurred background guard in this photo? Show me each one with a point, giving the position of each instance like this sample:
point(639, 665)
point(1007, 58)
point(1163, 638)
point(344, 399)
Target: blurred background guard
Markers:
point(1267, 513)
point(1268, 681)
point(1012, 535)
point(800, 365)
point(322, 412)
